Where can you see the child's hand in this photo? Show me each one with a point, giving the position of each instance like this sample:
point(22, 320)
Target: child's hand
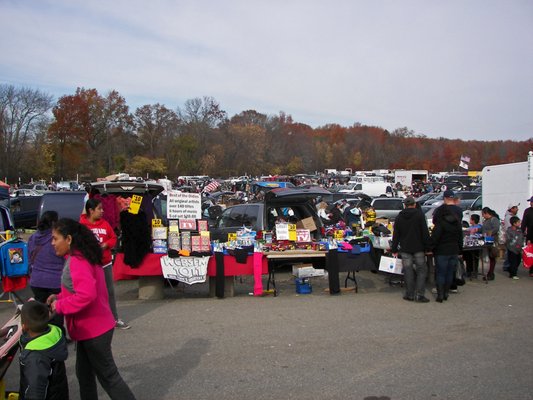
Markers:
point(51, 299)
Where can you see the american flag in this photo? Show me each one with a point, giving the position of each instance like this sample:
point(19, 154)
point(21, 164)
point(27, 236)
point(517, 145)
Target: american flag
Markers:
point(211, 186)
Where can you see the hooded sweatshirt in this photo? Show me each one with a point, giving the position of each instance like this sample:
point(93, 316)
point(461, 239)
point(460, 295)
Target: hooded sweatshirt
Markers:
point(411, 234)
point(45, 266)
point(447, 235)
point(105, 235)
point(42, 366)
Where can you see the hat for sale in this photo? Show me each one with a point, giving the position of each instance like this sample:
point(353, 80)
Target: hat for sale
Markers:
point(449, 194)
point(409, 201)
point(512, 205)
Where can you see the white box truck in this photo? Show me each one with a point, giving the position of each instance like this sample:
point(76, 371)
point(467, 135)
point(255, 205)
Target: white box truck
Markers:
point(407, 176)
point(506, 184)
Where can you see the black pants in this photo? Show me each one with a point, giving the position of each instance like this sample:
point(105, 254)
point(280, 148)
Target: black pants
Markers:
point(514, 262)
point(41, 294)
point(94, 359)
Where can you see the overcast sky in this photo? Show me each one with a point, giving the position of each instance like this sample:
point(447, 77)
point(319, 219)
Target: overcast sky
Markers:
point(454, 68)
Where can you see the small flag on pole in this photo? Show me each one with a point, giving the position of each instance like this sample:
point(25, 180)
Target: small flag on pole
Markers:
point(211, 186)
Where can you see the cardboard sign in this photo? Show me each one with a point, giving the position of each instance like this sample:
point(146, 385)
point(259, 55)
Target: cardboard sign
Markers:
point(135, 204)
point(184, 205)
point(303, 235)
point(188, 270)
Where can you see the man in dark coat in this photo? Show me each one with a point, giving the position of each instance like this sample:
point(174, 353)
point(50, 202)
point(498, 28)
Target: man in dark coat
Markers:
point(411, 239)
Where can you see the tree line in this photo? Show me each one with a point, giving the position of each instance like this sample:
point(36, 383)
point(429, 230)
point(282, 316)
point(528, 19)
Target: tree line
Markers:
point(90, 135)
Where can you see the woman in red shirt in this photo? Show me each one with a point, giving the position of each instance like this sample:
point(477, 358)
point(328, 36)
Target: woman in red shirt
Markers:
point(107, 238)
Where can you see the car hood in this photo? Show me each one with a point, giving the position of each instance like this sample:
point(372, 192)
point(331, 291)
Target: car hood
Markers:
point(284, 195)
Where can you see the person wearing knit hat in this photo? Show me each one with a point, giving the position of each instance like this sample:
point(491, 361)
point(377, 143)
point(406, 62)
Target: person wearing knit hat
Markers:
point(512, 211)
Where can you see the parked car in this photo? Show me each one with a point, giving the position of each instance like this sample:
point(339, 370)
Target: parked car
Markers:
point(67, 204)
point(40, 187)
point(261, 216)
point(474, 208)
point(6, 220)
point(25, 210)
point(25, 192)
point(465, 199)
point(387, 207)
point(425, 197)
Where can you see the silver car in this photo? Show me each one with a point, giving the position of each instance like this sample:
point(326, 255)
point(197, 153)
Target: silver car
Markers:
point(387, 207)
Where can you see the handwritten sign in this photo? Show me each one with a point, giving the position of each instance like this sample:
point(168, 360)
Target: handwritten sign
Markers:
point(184, 205)
point(135, 204)
point(188, 270)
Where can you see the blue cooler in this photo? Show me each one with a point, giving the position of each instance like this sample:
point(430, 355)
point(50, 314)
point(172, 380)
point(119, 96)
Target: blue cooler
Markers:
point(303, 286)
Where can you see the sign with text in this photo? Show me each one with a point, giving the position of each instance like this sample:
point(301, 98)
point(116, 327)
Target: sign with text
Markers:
point(303, 235)
point(184, 205)
point(188, 270)
point(135, 204)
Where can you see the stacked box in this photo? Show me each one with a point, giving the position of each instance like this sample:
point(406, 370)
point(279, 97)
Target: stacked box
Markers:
point(174, 241)
point(186, 241)
point(200, 244)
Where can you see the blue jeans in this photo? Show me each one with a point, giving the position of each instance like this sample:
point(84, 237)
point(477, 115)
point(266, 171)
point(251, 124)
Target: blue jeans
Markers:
point(414, 273)
point(445, 266)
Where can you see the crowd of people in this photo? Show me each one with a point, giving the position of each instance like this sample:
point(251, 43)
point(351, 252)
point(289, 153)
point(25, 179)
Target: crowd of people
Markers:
point(72, 282)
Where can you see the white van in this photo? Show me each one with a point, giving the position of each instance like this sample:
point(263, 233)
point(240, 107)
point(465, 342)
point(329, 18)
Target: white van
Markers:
point(373, 189)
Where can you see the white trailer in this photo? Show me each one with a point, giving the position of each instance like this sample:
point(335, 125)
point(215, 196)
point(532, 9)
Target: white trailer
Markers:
point(507, 184)
point(407, 176)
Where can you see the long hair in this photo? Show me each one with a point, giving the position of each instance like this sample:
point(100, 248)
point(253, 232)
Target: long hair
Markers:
point(91, 205)
point(47, 220)
point(83, 240)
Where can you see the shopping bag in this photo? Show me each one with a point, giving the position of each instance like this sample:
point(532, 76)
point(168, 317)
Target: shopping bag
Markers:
point(460, 274)
point(391, 265)
point(527, 256)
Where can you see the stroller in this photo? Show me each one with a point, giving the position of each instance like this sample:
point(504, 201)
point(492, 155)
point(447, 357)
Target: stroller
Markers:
point(9, 340)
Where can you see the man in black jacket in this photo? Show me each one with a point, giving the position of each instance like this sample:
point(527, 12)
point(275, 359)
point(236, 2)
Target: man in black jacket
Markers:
point(411, 240)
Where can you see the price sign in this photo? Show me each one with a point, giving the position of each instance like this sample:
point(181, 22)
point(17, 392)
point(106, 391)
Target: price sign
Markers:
point(292, 232)
point(135, 204)
point(232, 237)
point(157, 223)
point(339, 235)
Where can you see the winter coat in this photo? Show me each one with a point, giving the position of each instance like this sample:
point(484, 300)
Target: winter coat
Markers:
point(411, 234)
point(83, 299)
point(45, 265)
point(42, 366)
point(527, 223)
point(447, 235)
point(105, 235)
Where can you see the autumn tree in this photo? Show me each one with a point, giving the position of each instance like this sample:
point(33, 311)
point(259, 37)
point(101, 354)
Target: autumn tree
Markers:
point(22, 111)
point(90, 125)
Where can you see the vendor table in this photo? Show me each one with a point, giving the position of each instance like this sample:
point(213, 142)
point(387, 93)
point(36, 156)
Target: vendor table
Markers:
point(300, 255)
point(338, 261)
point(222, 265)
point(477, 252)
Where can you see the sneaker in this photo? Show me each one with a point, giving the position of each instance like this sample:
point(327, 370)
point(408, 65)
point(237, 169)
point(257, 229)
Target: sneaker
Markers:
point(422, 299)
point(434, 290)
point(516, 277)
point(454, 291)
point(408, 298)
point(122, 325)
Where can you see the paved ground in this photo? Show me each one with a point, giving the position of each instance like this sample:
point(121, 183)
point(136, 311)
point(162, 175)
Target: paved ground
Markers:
point(369, 345)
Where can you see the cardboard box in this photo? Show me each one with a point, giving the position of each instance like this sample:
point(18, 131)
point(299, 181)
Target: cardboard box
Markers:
point(306, 271)
point(306, 223)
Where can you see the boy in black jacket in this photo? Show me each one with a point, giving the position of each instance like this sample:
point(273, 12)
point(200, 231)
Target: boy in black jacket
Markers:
point(43, 351)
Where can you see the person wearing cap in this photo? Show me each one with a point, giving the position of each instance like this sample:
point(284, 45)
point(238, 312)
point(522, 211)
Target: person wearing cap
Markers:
point(447, 243)
point(411, 240)
point(512, 210)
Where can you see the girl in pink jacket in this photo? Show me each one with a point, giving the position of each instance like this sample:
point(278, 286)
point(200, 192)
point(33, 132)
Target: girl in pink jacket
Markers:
point(84, 303)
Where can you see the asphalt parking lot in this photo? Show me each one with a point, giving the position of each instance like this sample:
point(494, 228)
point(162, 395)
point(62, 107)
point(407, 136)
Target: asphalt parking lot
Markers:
point(369, 345)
